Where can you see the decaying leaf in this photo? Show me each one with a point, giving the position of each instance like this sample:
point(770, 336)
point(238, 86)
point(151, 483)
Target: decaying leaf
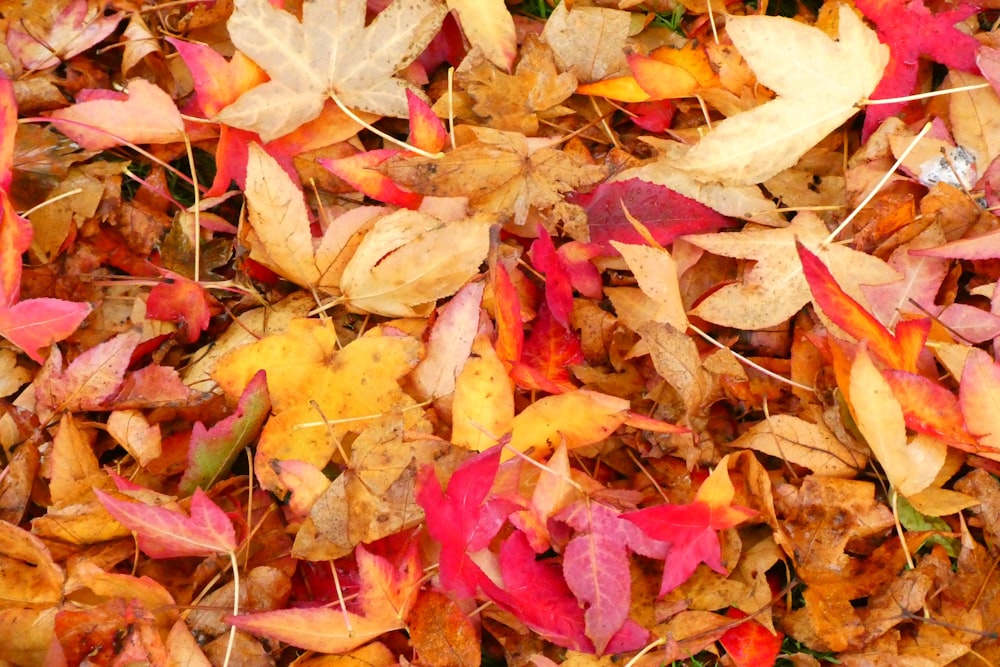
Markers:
point(502, 173)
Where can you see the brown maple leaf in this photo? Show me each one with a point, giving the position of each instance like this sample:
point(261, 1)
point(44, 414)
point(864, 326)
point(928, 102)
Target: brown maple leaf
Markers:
point(504, 173)
point(516, 102)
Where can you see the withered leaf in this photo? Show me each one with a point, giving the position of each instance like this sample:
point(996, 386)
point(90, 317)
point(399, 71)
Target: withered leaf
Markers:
point(503, 173)
point(516, 102)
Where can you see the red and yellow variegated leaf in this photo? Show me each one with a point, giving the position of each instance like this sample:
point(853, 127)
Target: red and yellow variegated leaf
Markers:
point(427, 132)
point(358, 172)
point(850, 315)
point(930, 408)
point(386, 596)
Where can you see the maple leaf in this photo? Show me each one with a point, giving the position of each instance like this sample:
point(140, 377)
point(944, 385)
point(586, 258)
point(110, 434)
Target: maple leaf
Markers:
point(409, 259)
point(911, 465)
point(517, 102)
point(163, 532)
point(596, 566)
point(449, 343)
point(503, 173)
point(775, 288)
point(102, 119)
point(745, 201)
point(549, 353)
point(453, 518)
point(911, 31)
point(282, 239)
point(385, 598)
point(91, 381)
point(309, 375)
point(538, 594)
point(373, 498)
point(753, 146)
point(900, 351)
point(331, 53)
point(666, 213)
point(691, 528)
point(750, 644)
point(441, 632)
point(488, 25)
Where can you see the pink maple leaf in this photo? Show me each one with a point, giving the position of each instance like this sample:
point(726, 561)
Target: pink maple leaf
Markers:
point(596, 566)
point(167, 532)
point(912, 31)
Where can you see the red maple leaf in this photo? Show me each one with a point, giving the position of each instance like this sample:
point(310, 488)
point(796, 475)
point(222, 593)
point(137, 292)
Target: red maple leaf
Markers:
point(548, 353)
point(665, 213)
point(911, 30)
point(558, 289)
point(454, 518)
point(691, 529)
point(750, 644)
point(167, 532)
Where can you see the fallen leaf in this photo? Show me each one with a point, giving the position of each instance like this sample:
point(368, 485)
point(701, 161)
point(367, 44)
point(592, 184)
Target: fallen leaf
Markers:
point(809, 445)
point(442, 635)
point(912, 31)
point(304, 76)
point(76, 27)
point(596, 566)
point(212, 451)
point(38, 323)
point(812, 101)
point(374, 497)
point(691, 529)
point(667, 214)
point(453, 518)
point(101, 120)
point(91, 381)
point(775, 288)
point(163, 532)
point(503, 173)
point(386, 596)
point(910, 465)
point(849, 315)
point(656, 272)
point(380, 276)
point(517, 102)
point(603, 29)
point(488, 25)
point(449, 344)
point(280, 220)
point(750, 644)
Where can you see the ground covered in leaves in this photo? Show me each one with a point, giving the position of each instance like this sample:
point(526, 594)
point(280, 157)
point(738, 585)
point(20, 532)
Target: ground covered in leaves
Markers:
point(458, 332)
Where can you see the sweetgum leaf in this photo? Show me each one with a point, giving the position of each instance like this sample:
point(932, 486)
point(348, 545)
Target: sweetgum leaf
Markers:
point(330, 52)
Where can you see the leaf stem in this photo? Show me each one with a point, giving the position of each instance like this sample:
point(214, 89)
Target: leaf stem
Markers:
point(388, 137)
point(933, 93)
point(751, 364)
point(236, 608)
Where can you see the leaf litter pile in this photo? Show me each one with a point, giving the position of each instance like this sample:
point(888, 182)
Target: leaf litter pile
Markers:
point(457, 333)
